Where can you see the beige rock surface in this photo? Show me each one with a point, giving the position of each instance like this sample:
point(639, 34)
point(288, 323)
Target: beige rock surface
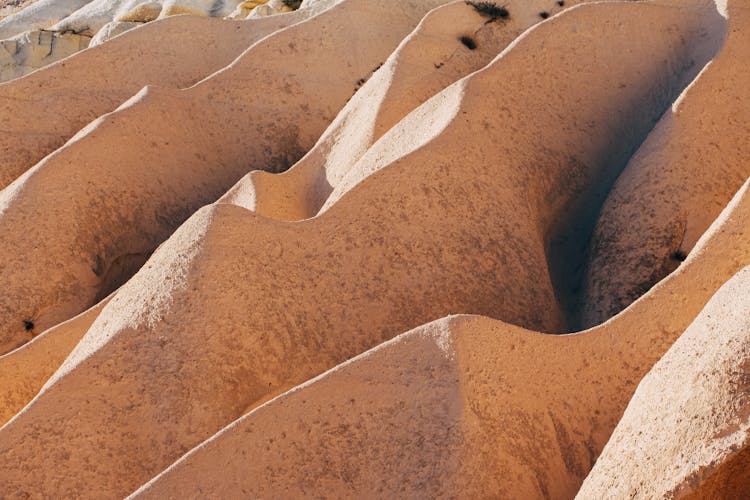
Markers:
point(90, 18)
point(86, 19)
point(685, 432)
point(111, 30)
point(466, 405)
point(32, 50)
point(425, 63)
point(439, 227)
point(8, 7)
point(191, 145)
point(253, 9)
point(244, 8)
point(676, 183)
point(465, 166)
point(142, 13)
point(38, 15)
point(25, 370)
point(43, 110)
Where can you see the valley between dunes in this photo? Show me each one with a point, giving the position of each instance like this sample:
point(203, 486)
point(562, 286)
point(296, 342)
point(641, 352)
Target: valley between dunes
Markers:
point(375, 249)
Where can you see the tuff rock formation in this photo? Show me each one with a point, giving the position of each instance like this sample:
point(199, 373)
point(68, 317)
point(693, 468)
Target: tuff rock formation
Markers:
point(685, 432)
point(348, 250)
point(47, 31)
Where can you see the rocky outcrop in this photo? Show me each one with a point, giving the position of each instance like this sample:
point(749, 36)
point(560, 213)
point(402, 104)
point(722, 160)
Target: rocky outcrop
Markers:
point(111, 30)
point(675, 184)
point(215, 117)
point(191, 49)
point(38, 15)
point(211, 253)
point(463, 405)
point(685, 432)
point(8, 7)
point(31, 50)
point(399, 85)
point(46, 32)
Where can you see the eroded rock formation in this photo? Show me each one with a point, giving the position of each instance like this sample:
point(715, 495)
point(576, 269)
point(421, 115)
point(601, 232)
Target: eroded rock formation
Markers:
point(37, 34)
point(209, 260)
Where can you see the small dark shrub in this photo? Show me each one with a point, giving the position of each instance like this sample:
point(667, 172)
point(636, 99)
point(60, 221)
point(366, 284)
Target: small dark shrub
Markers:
point(544, 15)
point(469, 42)
point(28, 325)
point(561, 3)
point(293, 4)
point(491, 10)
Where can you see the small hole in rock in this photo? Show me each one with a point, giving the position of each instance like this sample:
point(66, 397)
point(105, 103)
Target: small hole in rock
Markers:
point(469, 42)
point(679, 256)
point(544, 15)
point(561, 3)
point(28, 325)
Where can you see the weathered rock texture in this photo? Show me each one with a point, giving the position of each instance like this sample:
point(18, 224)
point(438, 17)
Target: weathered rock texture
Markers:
point(49, 30)
point(685, 432)
point(461, 406)
point(8, 7)
point(30, 50)
point(210, 255)
point(676, 183)
point(192, 145)
point(65, 97)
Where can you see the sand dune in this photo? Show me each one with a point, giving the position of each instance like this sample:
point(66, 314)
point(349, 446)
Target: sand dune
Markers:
point(517, 170)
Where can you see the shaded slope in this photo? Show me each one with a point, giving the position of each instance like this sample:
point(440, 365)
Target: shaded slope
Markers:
point(400, 88)
point(430, 59)
point(676, 184)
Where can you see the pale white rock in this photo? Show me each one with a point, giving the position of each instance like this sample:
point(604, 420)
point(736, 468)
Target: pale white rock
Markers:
point(111, 30)
point(40, 14)
point(32, 50)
